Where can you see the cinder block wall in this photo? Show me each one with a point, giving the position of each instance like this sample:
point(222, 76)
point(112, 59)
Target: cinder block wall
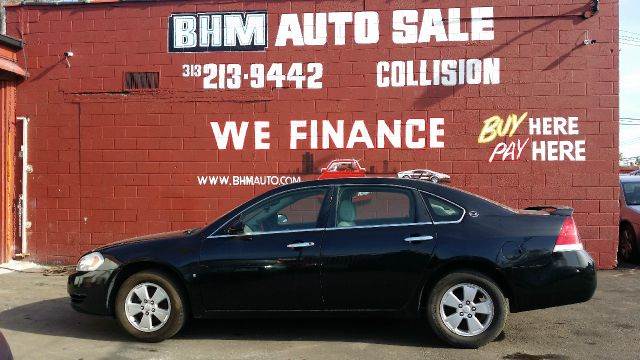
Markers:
point(110, 164)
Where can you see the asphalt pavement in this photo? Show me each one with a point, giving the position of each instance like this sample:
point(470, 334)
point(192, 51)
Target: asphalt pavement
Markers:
point(38, 323)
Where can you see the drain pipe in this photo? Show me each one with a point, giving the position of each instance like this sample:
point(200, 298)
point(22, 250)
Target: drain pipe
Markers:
point(3, 18)
point(26, 170)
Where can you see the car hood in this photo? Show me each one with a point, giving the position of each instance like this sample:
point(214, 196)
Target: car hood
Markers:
point(172, 235)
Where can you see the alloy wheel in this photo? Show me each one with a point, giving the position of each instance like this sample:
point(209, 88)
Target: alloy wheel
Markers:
point(147, 307)
point(466, 309)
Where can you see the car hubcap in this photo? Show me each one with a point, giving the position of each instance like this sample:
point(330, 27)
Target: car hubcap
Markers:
point(466, 309)
point(147, 307)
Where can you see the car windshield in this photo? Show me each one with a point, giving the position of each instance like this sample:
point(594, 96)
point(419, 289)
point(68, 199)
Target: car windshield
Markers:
point(341, 166)
point(631, 192)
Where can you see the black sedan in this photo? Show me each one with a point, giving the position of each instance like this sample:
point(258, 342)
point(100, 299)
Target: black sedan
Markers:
point(345, 246)
point(5, 351)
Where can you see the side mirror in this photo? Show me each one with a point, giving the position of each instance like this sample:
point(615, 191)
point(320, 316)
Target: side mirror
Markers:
point(236, 229)
point(323, 169)
point(282, 219)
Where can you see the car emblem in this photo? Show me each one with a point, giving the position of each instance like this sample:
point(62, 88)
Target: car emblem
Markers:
point(473, 213)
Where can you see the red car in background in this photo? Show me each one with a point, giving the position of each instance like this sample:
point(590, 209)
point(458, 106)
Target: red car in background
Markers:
point(342, 168)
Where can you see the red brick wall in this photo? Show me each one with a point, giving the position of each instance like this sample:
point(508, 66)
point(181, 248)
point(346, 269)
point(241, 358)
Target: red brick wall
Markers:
point(109, 165)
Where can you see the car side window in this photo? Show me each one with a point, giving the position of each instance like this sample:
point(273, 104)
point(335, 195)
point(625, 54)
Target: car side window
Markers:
point(370, 206)
point(631, 193)
point(442, 210)
point(295, 210)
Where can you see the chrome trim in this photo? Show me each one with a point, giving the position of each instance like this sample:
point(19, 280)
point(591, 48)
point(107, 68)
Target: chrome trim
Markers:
point(464, 211)
point(265, 233)
point(300, 245)
point(263, 200)
point(418, 238)
point(320, 229)
point(377, 226)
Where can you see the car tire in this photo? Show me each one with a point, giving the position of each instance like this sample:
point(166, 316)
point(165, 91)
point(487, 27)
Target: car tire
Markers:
point(488, 308)
point(161, 314)
point(628, 244)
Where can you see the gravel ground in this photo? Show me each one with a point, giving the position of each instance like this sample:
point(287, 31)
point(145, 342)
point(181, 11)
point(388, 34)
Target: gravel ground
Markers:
point(38, 323)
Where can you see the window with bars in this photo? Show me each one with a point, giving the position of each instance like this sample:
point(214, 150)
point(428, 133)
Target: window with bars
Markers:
point(141, 80)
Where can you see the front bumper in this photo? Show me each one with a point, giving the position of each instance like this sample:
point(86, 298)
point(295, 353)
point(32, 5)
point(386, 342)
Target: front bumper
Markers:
point(569, 278)
point(89, 291)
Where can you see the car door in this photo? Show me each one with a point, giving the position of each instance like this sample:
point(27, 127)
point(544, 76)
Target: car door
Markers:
point(378, 244)
point(267, 257)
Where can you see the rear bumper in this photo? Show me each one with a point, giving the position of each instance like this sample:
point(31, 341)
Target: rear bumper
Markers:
point(570, 278)
point(89, 291)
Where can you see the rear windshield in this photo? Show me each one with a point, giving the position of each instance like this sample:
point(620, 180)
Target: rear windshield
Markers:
point(503, 206)
point(631, 192)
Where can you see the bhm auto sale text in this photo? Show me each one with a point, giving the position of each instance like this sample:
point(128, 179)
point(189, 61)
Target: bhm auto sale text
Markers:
point(234, 31)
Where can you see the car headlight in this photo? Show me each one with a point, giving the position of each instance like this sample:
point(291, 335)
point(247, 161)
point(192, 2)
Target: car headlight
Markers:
point(90, 262)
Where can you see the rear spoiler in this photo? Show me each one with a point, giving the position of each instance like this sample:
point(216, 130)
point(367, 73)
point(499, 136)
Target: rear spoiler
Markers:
point(553, 210)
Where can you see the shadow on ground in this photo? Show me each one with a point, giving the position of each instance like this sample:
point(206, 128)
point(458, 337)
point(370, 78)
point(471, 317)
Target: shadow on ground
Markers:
point(56, 318)
point(628, 266)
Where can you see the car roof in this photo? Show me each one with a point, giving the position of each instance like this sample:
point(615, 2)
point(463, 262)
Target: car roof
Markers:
point(412, 183)
point(359, 181)
point(629, 178)
point(343, 160)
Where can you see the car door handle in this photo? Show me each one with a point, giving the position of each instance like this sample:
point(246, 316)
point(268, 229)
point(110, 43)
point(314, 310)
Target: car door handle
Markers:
point(300, 245)
point(412, 239)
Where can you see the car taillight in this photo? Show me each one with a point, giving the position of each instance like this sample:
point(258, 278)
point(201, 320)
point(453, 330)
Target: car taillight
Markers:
point(568, 239)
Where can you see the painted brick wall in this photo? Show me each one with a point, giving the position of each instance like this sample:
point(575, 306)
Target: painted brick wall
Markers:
point(109, 165)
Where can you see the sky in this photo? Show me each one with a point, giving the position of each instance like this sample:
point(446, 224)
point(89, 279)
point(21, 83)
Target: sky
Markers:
point(630, 77)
